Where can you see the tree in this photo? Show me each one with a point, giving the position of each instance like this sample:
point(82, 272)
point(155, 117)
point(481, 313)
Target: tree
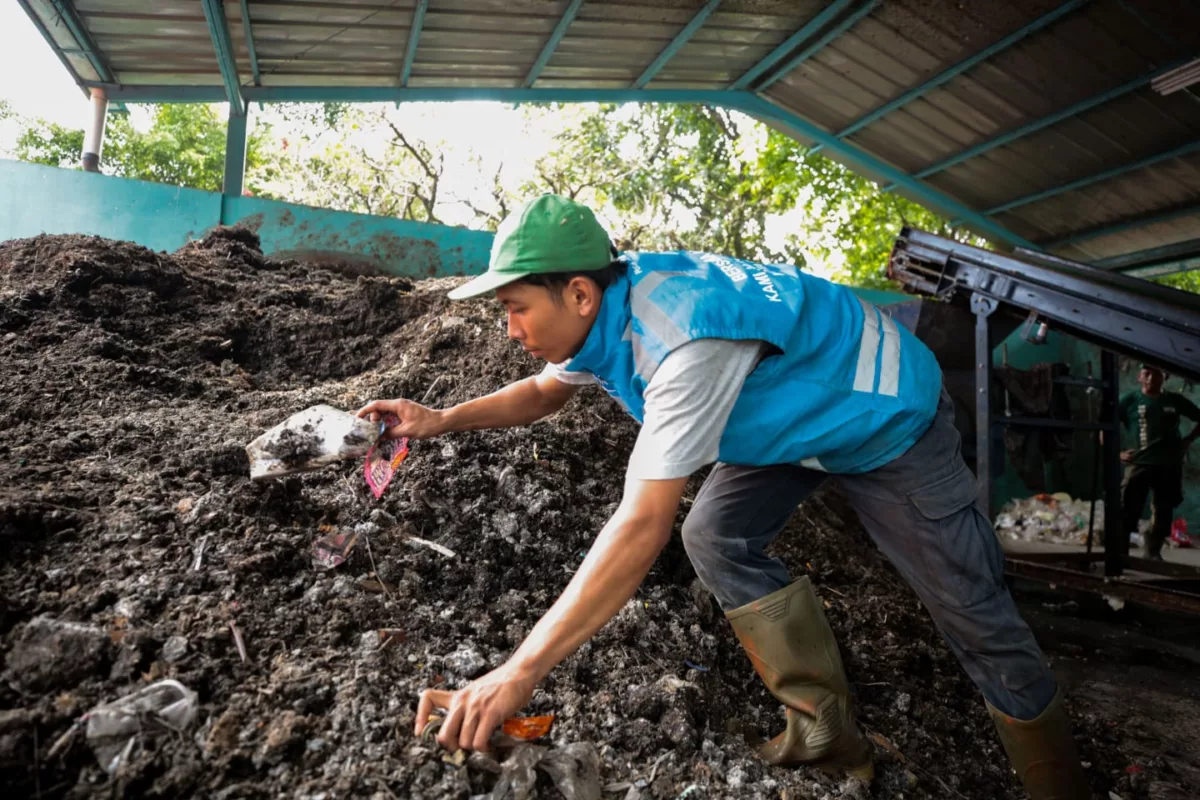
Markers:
point(185, 146)
point(677, 177)
point(1187, 281)
point(849, 218)
point(701, 178)
point(351, 167)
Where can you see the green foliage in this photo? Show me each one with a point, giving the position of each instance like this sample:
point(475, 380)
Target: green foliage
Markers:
point(664, 176)
point(49, 143)
point(848, 217)
point(1187, 281)
point(701, 178)
point(185, 146)
point(384, 172)
point(677, 177)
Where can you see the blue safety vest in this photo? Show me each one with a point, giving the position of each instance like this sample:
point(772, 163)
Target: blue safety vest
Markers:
point(844, 389)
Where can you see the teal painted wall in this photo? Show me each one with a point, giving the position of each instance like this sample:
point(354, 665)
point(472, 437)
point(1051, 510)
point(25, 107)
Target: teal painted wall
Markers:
point(38, 199)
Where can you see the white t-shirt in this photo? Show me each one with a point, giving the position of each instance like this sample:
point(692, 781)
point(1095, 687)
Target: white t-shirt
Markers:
point(687, 404)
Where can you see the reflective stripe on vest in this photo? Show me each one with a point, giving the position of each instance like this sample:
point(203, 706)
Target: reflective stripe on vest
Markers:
point(875, 359)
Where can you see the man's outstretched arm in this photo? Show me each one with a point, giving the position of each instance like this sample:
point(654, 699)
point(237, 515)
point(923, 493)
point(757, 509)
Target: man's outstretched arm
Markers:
point(519, 403)
point(610, 574)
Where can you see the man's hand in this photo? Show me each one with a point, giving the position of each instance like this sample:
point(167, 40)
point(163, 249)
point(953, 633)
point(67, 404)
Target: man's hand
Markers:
point(609, 575)
point(416, 421)
point(475, 711)
point(1127, 456)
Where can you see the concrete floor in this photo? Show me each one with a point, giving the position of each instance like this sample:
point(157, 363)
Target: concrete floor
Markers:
point(1176, 555)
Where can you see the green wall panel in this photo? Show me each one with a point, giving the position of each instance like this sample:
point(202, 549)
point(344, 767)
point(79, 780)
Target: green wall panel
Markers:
point(39, 199)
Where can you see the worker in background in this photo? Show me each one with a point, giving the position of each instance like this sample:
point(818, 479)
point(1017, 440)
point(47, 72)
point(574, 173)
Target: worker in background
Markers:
point(1155, 466)
point(783, 380)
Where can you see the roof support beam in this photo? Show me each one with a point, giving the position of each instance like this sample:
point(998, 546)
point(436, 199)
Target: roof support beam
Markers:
point(560, 30)
point(218, 29)
point(1151, 257)
point(93, 137)
point(806, 53)
point(676, 44)
point(1147, 24)
point(235, 155)
point(959, 68)
point(66, 12)
point(775, 56)
point(1125, 225)
point(414, 36)
point(249, 32)
point(1166, 268)
point(1047, 121)
point(923, 193)
point(1141, 163)
point(58, 51)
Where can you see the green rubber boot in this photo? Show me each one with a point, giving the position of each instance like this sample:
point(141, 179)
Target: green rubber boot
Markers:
point(789, 641)
point(1043, 753)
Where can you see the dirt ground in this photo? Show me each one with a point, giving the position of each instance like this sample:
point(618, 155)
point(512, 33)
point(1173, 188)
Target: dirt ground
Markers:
point(133, 545)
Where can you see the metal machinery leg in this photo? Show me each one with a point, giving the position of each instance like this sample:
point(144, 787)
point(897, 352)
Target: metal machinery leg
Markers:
point(235, 152)
point(1116, 538)
point(983, 307)
point(93, 140)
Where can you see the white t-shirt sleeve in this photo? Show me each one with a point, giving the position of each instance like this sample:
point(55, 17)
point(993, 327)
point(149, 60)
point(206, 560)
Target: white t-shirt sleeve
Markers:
point(564, 376)
point(687, 403)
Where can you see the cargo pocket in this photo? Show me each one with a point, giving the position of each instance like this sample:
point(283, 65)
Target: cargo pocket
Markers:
point(968, 565)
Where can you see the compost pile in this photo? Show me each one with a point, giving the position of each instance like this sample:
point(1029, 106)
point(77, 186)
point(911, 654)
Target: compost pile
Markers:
point(136, 549)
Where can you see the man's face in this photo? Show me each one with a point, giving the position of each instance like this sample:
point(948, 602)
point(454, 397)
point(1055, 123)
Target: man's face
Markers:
point(554, 331)
point(1151, 380)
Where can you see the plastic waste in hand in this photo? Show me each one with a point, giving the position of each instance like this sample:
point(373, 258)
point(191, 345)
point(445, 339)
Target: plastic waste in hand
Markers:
point(383, 458)
point(309, 440)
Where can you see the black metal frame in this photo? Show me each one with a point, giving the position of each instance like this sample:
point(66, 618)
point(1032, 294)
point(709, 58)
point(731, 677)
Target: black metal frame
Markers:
point(1117, 313)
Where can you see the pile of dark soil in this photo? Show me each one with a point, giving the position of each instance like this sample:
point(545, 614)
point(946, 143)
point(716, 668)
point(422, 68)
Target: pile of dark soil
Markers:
point(133, 546)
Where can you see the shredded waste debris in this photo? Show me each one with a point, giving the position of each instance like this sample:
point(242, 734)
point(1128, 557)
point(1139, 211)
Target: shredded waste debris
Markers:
point(162, 366)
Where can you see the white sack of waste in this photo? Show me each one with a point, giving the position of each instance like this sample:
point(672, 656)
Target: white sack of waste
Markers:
point(309, 440)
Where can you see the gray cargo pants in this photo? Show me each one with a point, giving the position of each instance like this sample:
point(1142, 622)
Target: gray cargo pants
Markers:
point(920, 510)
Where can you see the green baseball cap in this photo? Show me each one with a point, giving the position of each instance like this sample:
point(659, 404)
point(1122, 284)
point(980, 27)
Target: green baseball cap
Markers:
point(548, 234)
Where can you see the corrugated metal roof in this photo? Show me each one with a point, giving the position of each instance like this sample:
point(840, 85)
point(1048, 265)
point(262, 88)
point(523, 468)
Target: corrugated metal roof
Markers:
point(1028, 170)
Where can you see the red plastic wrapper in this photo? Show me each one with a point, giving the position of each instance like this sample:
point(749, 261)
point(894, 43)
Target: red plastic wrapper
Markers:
point(383, 459)
point(333, 548)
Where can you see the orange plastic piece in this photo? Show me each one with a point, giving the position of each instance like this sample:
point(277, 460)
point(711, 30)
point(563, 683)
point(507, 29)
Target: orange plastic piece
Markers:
point(528, 728)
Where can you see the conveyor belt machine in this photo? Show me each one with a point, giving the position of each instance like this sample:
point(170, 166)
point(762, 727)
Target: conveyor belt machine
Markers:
point(969, 290)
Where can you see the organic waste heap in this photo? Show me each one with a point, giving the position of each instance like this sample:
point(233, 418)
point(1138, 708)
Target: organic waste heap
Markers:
point(136, 549)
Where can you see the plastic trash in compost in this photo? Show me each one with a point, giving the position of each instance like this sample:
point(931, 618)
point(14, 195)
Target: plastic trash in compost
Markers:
point(114, 729)
point(384, 457)
point(333, 549)
point(309, 440)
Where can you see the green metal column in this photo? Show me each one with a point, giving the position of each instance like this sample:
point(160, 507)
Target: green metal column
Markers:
point(235, 153)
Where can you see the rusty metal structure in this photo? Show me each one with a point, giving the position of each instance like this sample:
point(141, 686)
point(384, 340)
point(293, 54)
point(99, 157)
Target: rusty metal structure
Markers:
point(980, 296)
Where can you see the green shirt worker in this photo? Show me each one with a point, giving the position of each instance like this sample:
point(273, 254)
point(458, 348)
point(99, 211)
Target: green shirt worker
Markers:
point(783, 381)
point(1154, 468)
